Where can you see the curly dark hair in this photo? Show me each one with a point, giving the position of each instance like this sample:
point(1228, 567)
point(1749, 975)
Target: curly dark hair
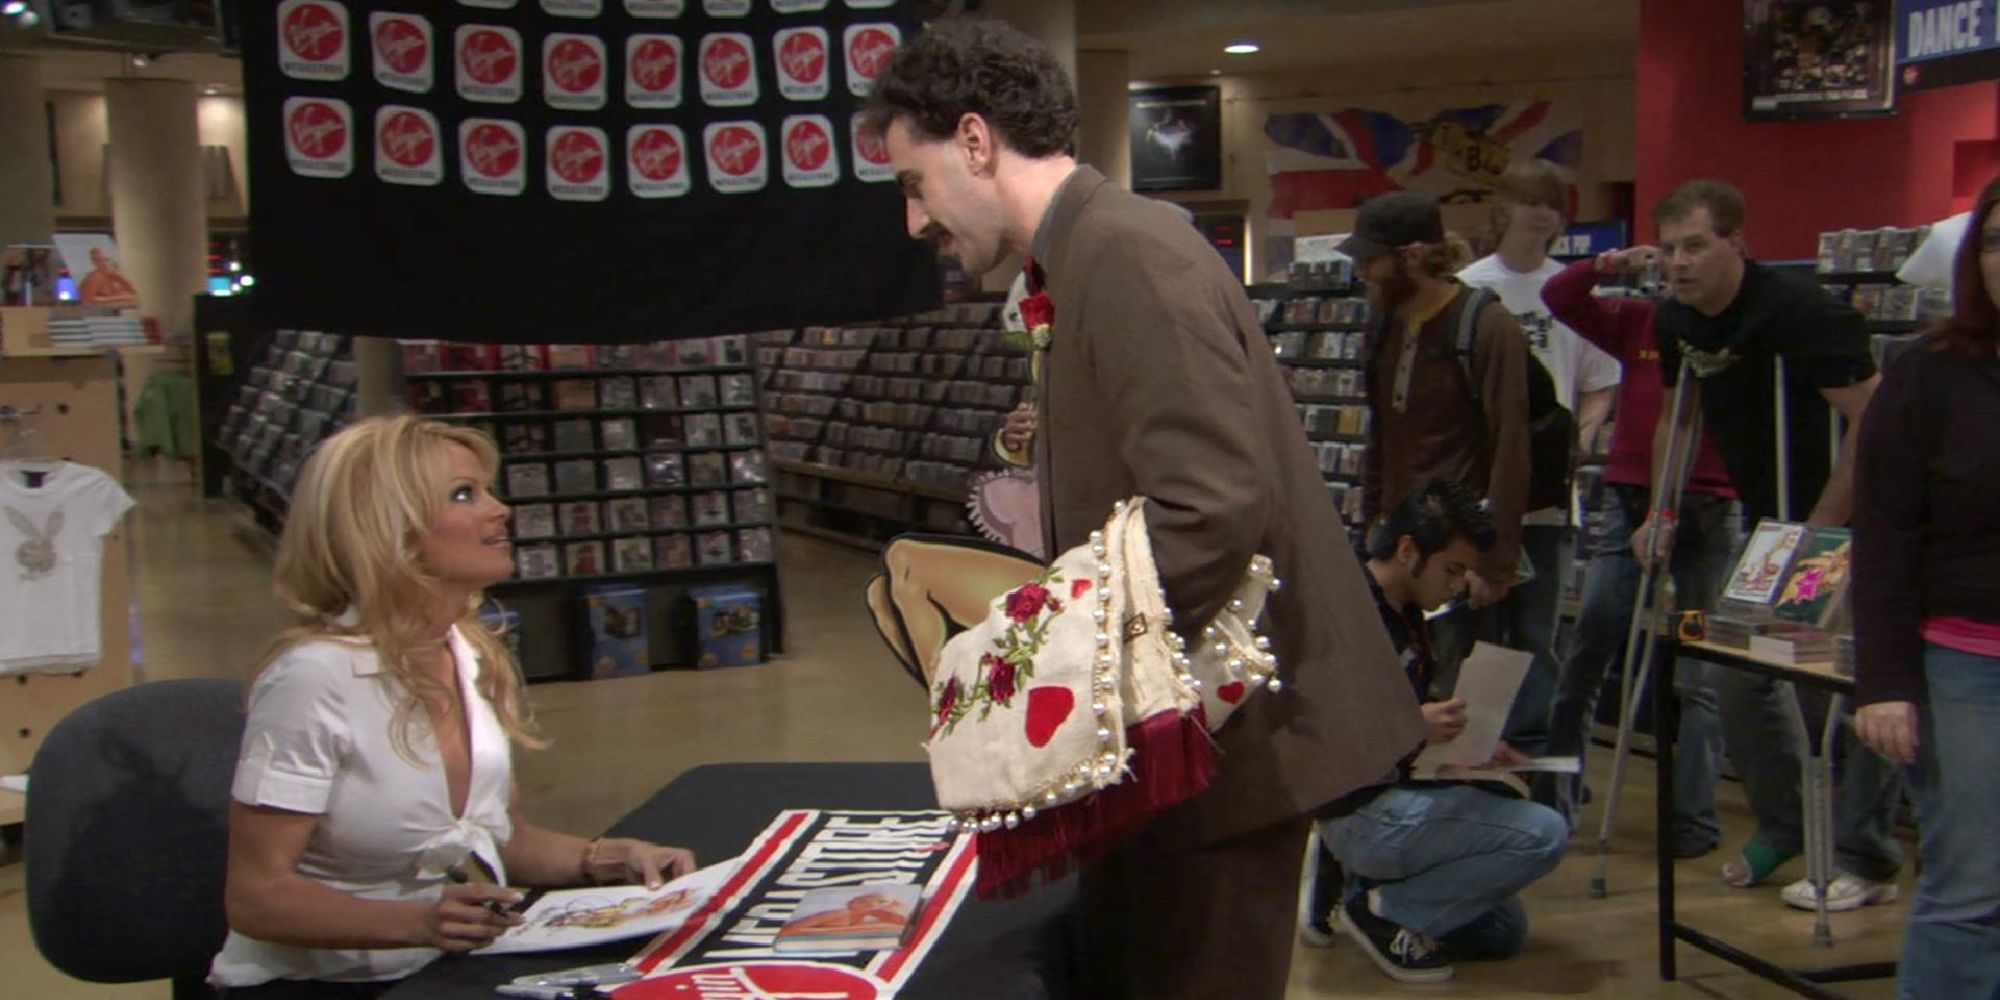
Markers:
point(1437, 515)
point(975, 65)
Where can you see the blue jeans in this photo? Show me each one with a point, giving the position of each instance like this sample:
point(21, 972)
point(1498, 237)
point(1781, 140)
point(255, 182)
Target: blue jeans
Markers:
point(1951, 945)
point(1704, 546)
point(1526, 620)
point(1449, 861)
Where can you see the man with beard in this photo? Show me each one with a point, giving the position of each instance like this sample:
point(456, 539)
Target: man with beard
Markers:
point(1158, 381)
point(1435, 414)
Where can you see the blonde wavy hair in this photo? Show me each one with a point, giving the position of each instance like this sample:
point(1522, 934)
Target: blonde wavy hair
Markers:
point(364, 500)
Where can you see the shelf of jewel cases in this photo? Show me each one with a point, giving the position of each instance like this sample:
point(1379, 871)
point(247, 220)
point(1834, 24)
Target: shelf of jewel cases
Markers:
point(301, 393)
point(1320, 337)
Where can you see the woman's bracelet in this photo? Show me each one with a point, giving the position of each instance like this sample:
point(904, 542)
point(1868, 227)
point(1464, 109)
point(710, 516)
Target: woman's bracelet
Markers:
point(590, 861)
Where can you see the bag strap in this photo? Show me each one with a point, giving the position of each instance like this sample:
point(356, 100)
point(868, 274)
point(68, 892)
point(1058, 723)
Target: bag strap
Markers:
point(1468, 336)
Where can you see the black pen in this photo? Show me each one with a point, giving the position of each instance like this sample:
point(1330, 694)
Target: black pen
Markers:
point(458, 876)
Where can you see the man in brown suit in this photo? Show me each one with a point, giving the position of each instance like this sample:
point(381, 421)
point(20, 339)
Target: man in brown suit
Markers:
point(1159, 382)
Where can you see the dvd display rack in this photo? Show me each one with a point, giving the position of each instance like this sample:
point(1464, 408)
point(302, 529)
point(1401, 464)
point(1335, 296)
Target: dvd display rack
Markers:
point(1858, 267)
point(302, 392)
point(1319, 331)
point(877, 428)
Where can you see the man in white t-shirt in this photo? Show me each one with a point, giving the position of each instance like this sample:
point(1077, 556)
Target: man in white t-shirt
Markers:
point(1528, 218)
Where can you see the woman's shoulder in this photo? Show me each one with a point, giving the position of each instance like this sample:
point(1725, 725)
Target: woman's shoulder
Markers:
point(318, 661)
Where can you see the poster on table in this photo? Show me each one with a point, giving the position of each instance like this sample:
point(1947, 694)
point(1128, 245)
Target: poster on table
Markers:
point(1815, 59)
point(1942, 43)
point(728, 947)
point(97, 270)
point(1176, 139)
point(578, 170)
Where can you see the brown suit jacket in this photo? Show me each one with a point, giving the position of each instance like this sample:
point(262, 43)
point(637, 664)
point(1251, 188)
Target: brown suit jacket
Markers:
point(1160, 382)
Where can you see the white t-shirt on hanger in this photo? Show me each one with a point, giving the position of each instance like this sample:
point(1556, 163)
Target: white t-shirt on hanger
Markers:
point(51, 564)
point(1576, 365)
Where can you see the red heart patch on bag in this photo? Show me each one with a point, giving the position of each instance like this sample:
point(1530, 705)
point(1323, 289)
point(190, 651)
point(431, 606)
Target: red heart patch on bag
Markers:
point(1048, 707)
point(1231, 692)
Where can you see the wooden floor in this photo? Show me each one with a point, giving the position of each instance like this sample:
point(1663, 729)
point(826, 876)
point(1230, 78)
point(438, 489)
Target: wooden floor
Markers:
point(205, 610)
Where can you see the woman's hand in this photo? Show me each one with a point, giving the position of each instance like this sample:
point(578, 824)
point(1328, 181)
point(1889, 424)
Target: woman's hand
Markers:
point(1890, 729)
point(1443, 720)
point(622, 859)
point(462, 919)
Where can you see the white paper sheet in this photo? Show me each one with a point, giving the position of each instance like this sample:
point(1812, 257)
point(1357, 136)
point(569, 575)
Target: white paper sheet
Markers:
point(1487, 682)
point(573, 918)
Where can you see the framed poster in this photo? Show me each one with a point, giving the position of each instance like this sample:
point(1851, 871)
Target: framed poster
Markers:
point(1942, 43)
point(1177, 139)
point(1813, 59)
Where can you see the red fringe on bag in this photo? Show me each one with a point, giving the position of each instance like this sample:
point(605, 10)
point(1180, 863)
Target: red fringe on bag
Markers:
point(1173, 759)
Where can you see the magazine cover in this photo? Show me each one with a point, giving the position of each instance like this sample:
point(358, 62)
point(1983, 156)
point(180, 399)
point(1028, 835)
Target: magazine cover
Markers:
point(1761, 570)
point(851, 918)
point(1818, 578)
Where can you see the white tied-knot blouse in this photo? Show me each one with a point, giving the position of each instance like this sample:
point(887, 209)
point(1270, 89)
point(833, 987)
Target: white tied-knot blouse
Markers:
point(319, 741)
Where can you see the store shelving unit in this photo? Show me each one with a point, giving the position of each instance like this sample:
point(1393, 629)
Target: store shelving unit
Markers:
point(301, 393)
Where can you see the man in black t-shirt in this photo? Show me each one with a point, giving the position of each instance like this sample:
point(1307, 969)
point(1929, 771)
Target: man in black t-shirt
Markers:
point(1738, 324)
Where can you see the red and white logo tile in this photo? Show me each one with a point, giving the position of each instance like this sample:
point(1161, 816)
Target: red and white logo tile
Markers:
point(408, 147)
point(726, 8)
point(493, 156)
point(737, 158)
point(312, 39)
point(403, 45)
point(728, 66)
point(871, 152)
point(319, 137)
point(579, 164)
point(573, 71)
point(574, 8)
point(489, 63)
point(801, 55)
point(656, 161)
point(655, 8)
point(653, 71)
point(810, 161)
point(868, 48)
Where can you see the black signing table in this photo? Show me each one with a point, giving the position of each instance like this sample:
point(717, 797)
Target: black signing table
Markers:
point(1816, 772)
point(1001, 950)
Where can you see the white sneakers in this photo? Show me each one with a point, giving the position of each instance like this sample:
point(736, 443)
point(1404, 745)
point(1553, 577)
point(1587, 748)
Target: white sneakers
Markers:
point(1845, 892)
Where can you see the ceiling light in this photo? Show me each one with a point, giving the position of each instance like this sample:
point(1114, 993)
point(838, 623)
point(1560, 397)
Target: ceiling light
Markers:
point(1215, 72)
point(13, 7)
point(1242, 48)
point(211, 90)
point(140, 61)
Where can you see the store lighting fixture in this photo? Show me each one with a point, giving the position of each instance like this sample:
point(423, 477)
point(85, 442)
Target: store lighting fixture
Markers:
point(1242, 48)
point(13, 7)
point(246, 281)
point(140, 62)
point(235, 266)
point(28, 19)
point(211, 91)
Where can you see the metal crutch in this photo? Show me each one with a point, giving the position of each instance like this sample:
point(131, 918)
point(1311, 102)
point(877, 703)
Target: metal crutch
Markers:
point(1640, 635)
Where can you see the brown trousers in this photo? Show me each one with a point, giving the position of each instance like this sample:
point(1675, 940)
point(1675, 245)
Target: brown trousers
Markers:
point(1164, 921)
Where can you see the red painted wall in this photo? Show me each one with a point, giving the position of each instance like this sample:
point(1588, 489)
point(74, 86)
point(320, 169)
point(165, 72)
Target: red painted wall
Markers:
point(1798, 178)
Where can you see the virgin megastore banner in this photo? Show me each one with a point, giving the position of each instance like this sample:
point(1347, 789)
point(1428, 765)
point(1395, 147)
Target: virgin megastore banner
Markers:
point(574, 170)
point(1944, 42)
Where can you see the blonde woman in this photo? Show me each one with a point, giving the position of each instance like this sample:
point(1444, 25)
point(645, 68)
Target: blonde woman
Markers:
point(376, 766)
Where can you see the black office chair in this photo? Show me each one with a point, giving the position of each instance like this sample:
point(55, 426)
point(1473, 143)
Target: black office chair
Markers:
point(127, 833)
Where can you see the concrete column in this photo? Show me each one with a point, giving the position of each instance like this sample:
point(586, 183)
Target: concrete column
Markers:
point(378, 376)
point(28, 211)
point(157, 196)
point(1103, 82)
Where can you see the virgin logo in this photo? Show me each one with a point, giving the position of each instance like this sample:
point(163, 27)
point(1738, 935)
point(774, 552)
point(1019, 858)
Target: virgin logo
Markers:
point(575, 66)
point(757, 981)
point(317, 130)
point(803, 57)
point(408, 139)
point(313, 33)
point(655, 65)
point(656, 155)
point(401, 44)
point(488, 56)
point(870, 51)
point(736, 150)
point(577, 158)
point(726, 63)
point(492, 151)
point(868, 142)
point(808, 145)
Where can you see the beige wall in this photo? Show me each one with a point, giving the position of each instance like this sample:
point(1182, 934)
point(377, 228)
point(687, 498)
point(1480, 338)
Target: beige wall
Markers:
point(82, 131)
point(1601, 82)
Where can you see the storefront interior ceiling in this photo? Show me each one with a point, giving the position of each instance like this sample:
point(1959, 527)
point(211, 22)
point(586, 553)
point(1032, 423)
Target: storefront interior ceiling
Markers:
point(1166, 38)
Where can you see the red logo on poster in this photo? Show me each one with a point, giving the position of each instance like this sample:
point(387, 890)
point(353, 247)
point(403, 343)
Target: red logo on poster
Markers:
point(869, 51)
point(575, 66)
point(317, 130)
point(736, 150)
point(408, 139)
point(577, 158)
point(313, 33)
point(492, 151)
point(870, 144)
point(759, 980)
point(655, 65)
point(401, 44)
point(726, 63)
point(807, 145)
point(803, 57)
point(488, 56)
point(655, 154)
